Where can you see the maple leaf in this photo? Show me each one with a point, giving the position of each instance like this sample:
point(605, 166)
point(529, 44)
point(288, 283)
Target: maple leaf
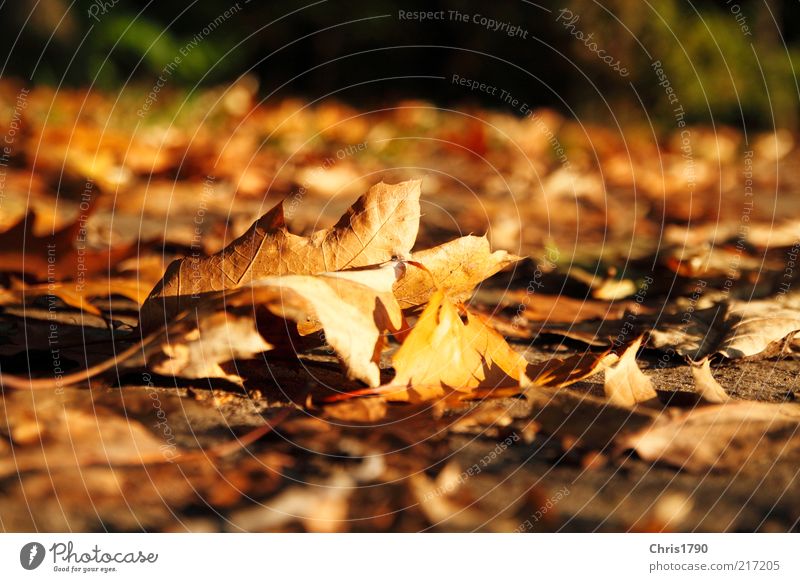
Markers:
point(331, 303)
point(456, 267)
point(443, 352)
point(380, 225)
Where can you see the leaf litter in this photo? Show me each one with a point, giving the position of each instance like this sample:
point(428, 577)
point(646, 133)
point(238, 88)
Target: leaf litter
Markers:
point(397, 347)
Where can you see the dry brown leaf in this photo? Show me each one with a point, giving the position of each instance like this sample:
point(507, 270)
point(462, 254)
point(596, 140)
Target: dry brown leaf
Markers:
point(587, 419)
point(457, 267)
point(380, 225)
point(332, 304)
point(54, 255)
point(77, 295)
point(539, 307)
point(443, 353)
point(195, 347)
point(722, 436)
point(737, 330)
point(705, 384)
point(557, 373)
point(361, 410)
point(625, 384)
point(105, 438)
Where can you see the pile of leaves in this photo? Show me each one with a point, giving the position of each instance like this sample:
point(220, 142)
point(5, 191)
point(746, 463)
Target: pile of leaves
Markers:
point(369, 365)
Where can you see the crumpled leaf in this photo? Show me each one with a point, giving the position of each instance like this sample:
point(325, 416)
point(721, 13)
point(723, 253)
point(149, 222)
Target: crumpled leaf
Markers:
point(443, 353)
point(330, 303)
point(195, 347)
point(722, 436)
point(736, 330)
point(380, 225)
point(456, 266)
point(705, 384)
point(625, 384)
point(558, 373)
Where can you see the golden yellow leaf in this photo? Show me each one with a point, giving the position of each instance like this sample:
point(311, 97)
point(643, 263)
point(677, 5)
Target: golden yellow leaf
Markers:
point(456, 266)
point(443, 352)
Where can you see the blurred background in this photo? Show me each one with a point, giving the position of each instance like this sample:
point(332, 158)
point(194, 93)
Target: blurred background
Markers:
point(730, 61)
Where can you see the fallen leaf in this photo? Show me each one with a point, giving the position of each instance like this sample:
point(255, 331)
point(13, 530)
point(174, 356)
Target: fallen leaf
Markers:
point(588, 419)
point(737, 329)
point(444, 353)
point(57, 255)
point(379, 226)
point(77, 294)
point(195, 347)
point(558, 373)
point(625, 384)
point(332, 304)
point(456, 267)
point(361, 410)
point(720, 436)
point(105, 438)
point(705, 384)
